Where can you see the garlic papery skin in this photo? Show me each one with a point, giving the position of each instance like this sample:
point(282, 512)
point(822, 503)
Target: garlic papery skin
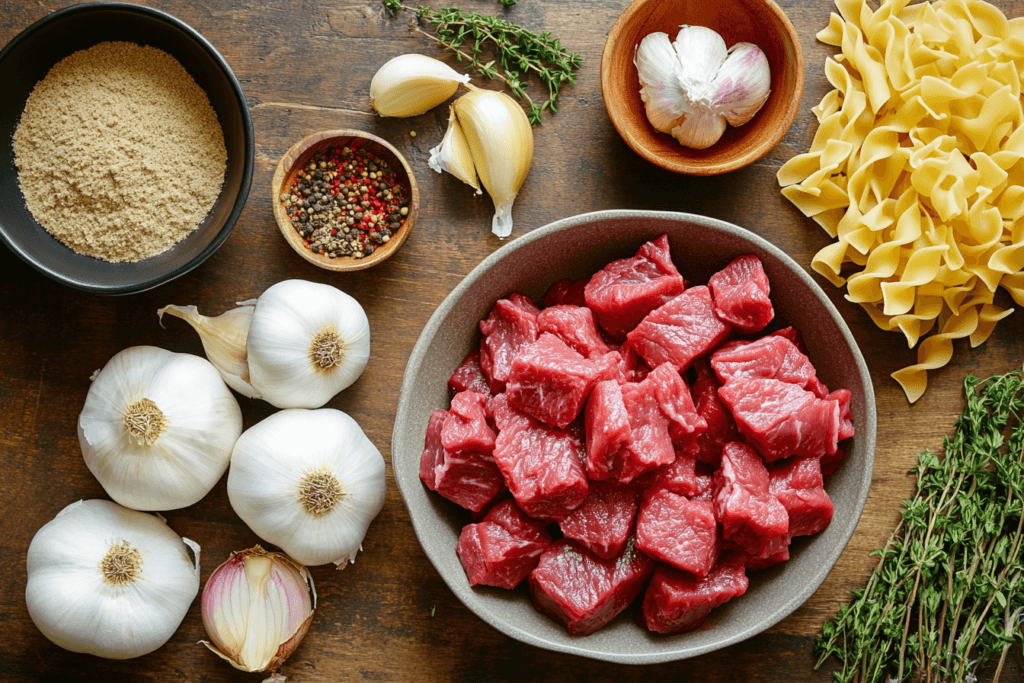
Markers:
point(308, 481)
point(742, 85)
point(109, 581)
point(257, 608)
point(701, 52)
point(699, 129)
point(501, 141)
point(412, 84)
point(158, 427)
point(307, 342)
point(453, 155)
point(660, 75)
point(223, 340)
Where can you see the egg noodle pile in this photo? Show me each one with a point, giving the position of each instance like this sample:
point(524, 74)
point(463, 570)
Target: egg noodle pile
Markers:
point(917, 170)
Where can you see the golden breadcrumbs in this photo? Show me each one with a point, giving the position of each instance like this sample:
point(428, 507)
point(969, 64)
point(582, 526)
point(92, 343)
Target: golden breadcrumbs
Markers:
point(119, 153)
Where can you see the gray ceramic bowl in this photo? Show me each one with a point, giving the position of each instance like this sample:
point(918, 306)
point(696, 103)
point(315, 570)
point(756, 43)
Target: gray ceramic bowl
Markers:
point(574, 248)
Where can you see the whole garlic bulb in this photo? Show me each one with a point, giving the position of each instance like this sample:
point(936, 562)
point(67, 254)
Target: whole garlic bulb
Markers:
point(308, 481)
point(158, 427)
point(109, 581)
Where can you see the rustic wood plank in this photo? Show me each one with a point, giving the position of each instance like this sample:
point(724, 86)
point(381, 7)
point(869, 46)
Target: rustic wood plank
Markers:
point(306, 66)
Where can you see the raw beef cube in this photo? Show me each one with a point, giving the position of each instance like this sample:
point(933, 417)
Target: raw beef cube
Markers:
point(679, 476)
point(542, 465)
point(629, 366)
point(550, 381)
point(566, 293)
point(433, 451)
point(793, 335)
point(502, 549)
point(674, 399)
point(777, 552)
point(583, 592)
point(525, 303)
point(465, 430)
point(741, 294)
point(511, 325)
point(721, 428)
point(680, 331)
point(609, 366)
point(677, 601)
point(471, 480)
point(830, 463)
point(625, 291)
point(604, 522)
point(705, 487)
point(750, 515)
point(469, 376)
point(682, 532)
point(608, 430)
point(797, 483)
point(575, 326)
point(767, 358)
point(650, 444)
point(843, 396)
point(781, 419)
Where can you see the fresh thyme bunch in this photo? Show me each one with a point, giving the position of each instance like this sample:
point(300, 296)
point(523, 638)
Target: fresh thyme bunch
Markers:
point(518, 51)
point(947, 595)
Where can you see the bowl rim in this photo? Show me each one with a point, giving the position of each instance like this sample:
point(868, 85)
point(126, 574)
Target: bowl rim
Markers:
point(288, 231)
point(247, 168)
point(702, 169)
point(787, 607)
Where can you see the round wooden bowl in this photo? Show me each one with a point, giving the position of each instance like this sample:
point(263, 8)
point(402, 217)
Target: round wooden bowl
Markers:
point(300, 153)
point(761, 22)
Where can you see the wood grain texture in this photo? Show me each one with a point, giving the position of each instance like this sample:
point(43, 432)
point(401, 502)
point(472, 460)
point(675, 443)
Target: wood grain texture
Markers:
point(305, 66)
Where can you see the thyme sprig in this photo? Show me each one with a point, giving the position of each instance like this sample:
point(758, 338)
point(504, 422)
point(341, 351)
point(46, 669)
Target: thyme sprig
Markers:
point(518, 52)
point(947, 595)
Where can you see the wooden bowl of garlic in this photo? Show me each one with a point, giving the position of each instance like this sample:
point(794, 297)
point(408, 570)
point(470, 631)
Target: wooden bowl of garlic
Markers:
point(344, 199)
point(760, 22)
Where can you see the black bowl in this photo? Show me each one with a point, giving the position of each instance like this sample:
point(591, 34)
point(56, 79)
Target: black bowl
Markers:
point(28, 58)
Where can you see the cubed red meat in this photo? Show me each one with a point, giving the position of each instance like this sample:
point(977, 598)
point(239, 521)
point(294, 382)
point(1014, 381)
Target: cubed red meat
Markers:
point(777, 552)
point(550, 382)
point(677, 602)
point(575, 326)
point(681, 330)
point(609, 366)
point(781, 419)
point(740, 291)
point(843, 397)
point(542, 465)
point(721, 427)
point(793, 335)
point(470, 479)
point(797, 483)
point(583, 592)
point(607, 429)
point(465, 430)
point(469, 376)
point(679, 476)
point(566, 293)
point(750, 515)
point(502, 549)
point(673, 397)
point(604, 522)
point(511, 325)
point(830, 463)
point(705, 487)
point(771, 357)
point(625, 291)
point(679, 531)
point(650, 444)
point(433, 451)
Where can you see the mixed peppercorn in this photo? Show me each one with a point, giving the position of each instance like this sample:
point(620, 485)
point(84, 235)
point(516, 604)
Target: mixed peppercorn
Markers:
point(346, 202)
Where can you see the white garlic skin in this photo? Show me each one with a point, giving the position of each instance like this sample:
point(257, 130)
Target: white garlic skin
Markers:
point(202, 422)
point(454, 156)
point(699, 129)
point(289, 317)
point(69, 600)
point(701, 52)
point(412, 84)
point(271, 461)
point(743, 83)
point(660, 80)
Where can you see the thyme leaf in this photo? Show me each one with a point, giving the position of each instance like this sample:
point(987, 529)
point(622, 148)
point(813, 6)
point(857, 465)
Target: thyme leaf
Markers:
point(947, 595)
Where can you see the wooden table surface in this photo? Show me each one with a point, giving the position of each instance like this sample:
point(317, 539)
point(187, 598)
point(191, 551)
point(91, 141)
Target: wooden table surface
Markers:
point(306, 66)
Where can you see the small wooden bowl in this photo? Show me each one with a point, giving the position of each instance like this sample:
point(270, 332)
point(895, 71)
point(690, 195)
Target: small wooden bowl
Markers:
point(755, 21)
point(297, 157)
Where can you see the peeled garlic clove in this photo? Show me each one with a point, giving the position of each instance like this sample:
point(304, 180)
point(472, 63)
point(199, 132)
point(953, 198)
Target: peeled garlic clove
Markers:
point(409, 85)
point(257, 608)
point(223, 340)
point(742, 85)
point(699, 129)
point(701, 52)
point(501, 141)
point(661, 90)
point(453, 155)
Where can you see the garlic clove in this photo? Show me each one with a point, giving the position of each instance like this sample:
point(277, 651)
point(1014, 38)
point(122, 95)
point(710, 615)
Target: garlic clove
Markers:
point(700, 129)
point(411, 84)
point(223, 340)
point(453, 155)
point(501, 141)
point(742, 85)
point(701, 52)
point(661, 89)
